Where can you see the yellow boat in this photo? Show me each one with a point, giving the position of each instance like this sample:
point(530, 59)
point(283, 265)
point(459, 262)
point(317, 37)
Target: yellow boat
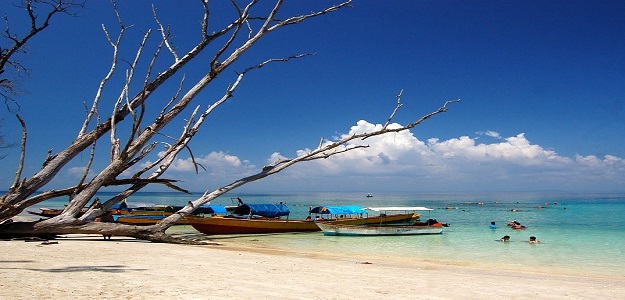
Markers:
point(266, 218)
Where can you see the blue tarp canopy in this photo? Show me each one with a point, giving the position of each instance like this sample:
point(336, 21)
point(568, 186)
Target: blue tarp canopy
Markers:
point(204, 209)
point(215, 209)
point(263, 210)
point(339, 210)
point(126, 206)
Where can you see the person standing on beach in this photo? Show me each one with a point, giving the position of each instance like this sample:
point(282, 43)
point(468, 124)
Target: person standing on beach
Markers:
point(107, 217)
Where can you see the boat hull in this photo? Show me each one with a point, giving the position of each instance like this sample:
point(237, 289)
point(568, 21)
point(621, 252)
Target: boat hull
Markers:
point(228, 225)
point(331, 228)
point(145, 220)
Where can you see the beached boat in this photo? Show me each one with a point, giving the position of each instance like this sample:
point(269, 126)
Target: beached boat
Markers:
point(430, 226)
point(143, 219)
point(46, 212)
point(266, 218)
point(147, 209)
point(123, 208)
point(232, 225)
point(137, 213)
point(358, 215)
point(251, 218)
point(332, 228)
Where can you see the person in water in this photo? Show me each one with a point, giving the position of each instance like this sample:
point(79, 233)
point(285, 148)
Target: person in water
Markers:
point(492, 225)
point(514, 222)
point(533, 240)
point(505, 238)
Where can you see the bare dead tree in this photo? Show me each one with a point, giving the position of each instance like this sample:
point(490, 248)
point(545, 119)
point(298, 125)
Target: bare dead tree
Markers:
point(249, 25)
point(12, 44)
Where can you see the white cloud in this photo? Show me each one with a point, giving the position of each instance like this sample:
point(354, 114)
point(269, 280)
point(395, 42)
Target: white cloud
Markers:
point(400, 160)
point(217, 169)
point(493, 134)
point(216, 161)
point(516, 150)
point(76, 170)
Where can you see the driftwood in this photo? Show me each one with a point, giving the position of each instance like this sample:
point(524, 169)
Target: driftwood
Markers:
point(249, 25)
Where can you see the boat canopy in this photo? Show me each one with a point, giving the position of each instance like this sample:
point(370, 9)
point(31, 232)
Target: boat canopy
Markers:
point(214, 209)
point(126, 206)
point(263, 210)
point(203, 209)
point(398, 208)
point(339, 210)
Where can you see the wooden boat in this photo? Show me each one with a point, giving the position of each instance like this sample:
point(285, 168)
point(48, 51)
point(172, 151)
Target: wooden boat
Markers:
point(251, 218)
point(416, 228)
point(146, 209)
point(46, 212)
point(140, 213)
point(233, 225)
point(142, 219)
point(357, 215)
point(332, 228)
point(266, 218)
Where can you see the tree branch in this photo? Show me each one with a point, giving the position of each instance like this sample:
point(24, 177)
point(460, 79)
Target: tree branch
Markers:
point(7, 54)
point(18, 173)
point(115, 45)
point(165, 35)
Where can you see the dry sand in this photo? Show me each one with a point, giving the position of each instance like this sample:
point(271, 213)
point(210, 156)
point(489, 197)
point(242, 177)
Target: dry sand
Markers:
point(81, 267)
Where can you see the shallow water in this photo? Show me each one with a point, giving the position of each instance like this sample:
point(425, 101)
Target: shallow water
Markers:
point(579, 234)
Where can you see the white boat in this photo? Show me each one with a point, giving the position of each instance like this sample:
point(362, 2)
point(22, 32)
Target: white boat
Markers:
point(370, 230)
point(429, 227)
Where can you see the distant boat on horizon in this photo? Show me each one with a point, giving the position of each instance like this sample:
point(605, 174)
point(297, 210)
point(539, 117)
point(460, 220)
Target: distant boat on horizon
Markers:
point(369, 195)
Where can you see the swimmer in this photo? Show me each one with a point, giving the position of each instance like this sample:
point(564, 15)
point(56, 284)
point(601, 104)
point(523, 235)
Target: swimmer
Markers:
point(492, 226)
point(505, 239)
point(533, 240)
point(518, 226)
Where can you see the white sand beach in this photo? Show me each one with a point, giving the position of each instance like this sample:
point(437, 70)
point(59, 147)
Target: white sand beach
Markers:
point(80, 267)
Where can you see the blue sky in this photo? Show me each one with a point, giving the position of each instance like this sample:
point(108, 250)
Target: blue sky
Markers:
point(542, 85)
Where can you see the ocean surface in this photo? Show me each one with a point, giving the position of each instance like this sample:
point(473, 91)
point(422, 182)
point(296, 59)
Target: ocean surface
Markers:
point(580, 234)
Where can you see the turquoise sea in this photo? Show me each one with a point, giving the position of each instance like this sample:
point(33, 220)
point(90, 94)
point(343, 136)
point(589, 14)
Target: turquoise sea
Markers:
point(580, 234)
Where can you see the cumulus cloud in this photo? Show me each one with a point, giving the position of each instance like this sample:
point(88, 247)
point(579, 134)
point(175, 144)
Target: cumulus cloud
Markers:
point(515, 150)
point(509, 163)
point(76, 170)
point(214, 169)
point(215, 161)
point(401, 161)
point(493, 134)
point(490, 133)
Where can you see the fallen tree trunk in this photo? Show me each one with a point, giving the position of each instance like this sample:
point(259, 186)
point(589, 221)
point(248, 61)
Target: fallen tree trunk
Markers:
point(39, 229)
